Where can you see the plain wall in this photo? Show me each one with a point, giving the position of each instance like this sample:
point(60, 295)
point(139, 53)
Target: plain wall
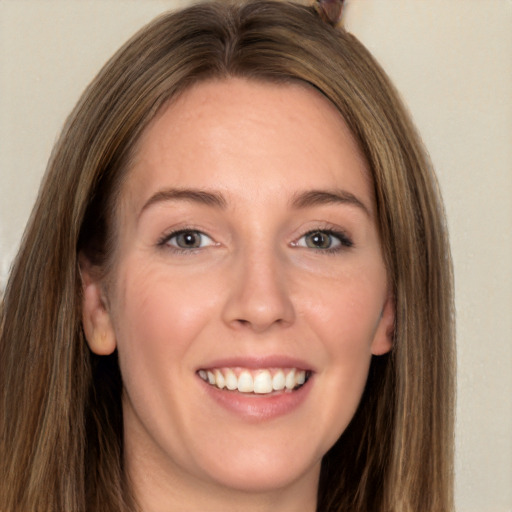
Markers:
point(452, 62)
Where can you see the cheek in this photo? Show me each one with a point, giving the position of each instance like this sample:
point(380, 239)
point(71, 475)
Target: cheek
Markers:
point(157, 317)
point(345, 316)
point(347, 311)
point(348, 326)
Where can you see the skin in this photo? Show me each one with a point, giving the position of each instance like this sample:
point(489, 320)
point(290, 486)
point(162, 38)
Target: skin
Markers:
point(254, 288)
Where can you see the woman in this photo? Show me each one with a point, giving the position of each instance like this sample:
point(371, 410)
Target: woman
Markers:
point(235, 287)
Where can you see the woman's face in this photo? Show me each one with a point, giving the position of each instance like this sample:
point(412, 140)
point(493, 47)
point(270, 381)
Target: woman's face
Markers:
point(247, 261)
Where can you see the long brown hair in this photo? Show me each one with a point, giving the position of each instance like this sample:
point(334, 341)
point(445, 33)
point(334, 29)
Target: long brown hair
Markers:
point(60, 414)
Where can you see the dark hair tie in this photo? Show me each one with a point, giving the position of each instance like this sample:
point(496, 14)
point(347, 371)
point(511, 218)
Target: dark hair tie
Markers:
point(329, 10)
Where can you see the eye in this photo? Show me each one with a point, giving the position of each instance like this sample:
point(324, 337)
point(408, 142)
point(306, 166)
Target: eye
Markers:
point(326, 240)
point(187, 239)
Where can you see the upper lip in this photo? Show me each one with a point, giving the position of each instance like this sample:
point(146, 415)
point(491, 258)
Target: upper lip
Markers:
point(258, 362)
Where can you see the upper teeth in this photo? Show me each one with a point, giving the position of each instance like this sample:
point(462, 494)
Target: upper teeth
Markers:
point(254, 381)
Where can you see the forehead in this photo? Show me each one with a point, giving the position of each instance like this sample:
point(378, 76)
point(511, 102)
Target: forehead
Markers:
point(238, 133)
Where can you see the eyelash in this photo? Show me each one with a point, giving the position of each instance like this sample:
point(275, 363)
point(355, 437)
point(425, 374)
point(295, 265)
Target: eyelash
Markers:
point(163, 242)
point(344, 241)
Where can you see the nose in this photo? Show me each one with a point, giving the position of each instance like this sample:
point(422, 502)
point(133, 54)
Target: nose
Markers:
point(259, 297)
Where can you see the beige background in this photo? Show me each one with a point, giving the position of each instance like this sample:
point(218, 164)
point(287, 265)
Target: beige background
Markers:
point(451, 60)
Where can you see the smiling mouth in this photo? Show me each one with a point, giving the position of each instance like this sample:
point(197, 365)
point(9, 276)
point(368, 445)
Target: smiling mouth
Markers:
point(260, 381)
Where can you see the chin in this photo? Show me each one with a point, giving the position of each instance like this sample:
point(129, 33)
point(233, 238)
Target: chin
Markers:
point(264, 478)
point(263, 465)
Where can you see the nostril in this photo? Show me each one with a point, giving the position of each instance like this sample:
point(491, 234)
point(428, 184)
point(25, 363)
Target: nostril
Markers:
point(258, 301)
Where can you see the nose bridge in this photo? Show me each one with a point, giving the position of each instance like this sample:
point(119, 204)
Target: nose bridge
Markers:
point(259, 297)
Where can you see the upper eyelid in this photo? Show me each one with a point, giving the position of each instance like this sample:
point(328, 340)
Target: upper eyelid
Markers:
point(344, 239)
point(327, 227)
point(176, 232)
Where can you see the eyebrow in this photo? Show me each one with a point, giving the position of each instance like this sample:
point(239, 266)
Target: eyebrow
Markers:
point(192, 195)
point(214, 199)
point(320, 197)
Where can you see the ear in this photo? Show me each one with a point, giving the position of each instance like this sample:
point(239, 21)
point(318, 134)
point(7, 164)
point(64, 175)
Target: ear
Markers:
point(96, 319)
point(383, 339)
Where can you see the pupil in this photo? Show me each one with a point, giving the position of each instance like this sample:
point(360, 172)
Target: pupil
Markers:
point(189, 239)
point(320, 240)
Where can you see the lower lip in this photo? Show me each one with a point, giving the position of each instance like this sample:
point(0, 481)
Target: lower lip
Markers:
point(259, 407)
